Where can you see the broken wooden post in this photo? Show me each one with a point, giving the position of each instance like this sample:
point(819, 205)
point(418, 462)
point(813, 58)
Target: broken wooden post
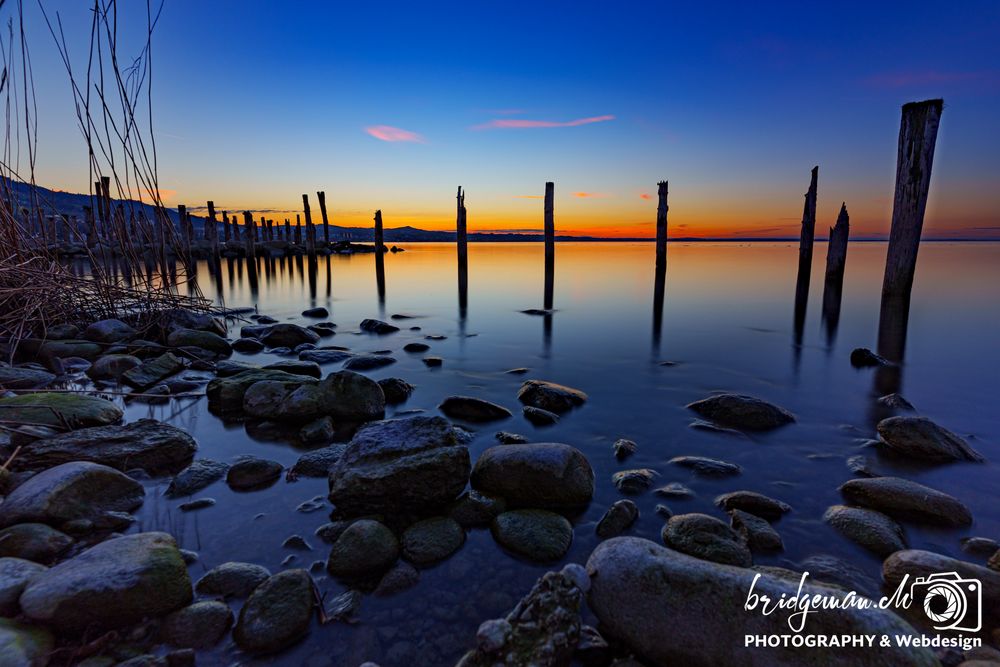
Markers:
point(227, 233)
point(836, 259)
point(550, 244)
point(917, 138)
point(379, 259)
point(806, 237)
point(661, 223)
point(326, 222)
point(462, 241)
point(310, 230)
point(288, 231)
point(210, 223)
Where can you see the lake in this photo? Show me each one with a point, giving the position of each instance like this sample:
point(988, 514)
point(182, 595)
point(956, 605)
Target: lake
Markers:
point(727, 323)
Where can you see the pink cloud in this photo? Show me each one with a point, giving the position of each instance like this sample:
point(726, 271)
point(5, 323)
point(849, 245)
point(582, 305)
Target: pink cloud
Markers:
point(928, 78)
point(519, 123)
point(390, 133)
point(645, 195)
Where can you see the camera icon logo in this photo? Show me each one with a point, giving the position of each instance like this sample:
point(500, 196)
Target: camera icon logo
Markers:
point(951, 602)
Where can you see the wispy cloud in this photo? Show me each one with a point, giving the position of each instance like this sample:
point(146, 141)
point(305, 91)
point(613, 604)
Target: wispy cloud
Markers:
point(590, 195)
point(645, 195)
point(523, 123)
point(390, 133)
point(929, 78)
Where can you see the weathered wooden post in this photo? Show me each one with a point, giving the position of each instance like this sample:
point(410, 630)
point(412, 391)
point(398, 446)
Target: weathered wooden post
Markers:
point(298, 230)
point(270, 229)
point(379, 259)
point(326, 222)
point(836, 259)
point(88, 213)
point(288, 231)
point(310, 230)
point(249, 234)
point(227, 233)
point(917, 137)
point(462, 242)
point(806, 237)
point(661, 223)
point(550, 244)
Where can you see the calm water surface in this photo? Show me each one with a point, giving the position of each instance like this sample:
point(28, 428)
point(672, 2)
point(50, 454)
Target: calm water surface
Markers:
point(727, 323)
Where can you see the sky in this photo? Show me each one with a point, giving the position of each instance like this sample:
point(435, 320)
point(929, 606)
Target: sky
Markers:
point(391, 106)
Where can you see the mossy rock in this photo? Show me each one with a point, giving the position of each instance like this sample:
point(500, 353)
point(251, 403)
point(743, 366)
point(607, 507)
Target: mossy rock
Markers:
point(59, 410)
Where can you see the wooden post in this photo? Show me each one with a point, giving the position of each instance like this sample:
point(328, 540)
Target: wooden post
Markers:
point(249, 234)
point(326, 222)
point(550, 244)
point(298, 229)
point(210, 223)
point(661, 223)
point(462, 242)
point(808, 232)
point(836, 259)
point(288, 231)
point(106, 198)
point(310, 230)
point(88, 213)
point(917, 138)
point(379, 259)
point(226, 231)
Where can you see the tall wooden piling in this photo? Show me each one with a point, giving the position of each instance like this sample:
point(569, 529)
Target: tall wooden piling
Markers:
point(226, 231)
point(310, 230)
point(917, 138)
point(462, 243)
point(379, 258)
point(833, 285)
point(550, 244)
point(321, 196)
point(210, 228)
point(298, 230)
point(288, 232)
point(88, 213)
point(808, 231)
point(661, 223)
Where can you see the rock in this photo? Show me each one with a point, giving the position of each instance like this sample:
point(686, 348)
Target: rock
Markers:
point(994, 562)
point(33, 541)
point(977, 546)
point(378, 327)
point(112, 366)
point(917, 563)
point(247, 345)
point(623, 448)
point(634, 482)
point(206, 340)
point(400, 463)
point(367, 362)
point(109, 331)
point(196, 477)
point(24, 645)
point(113, 584)
point(146, 444)
point(472, 409)
point(860, 465)
point(592, 650)
point(277, 614)
point(550, 396)
point(318, 431)
point(707, 467)
point(306, 368)
point(325, 356)
point(755, 532)
point(199, 504)
point(343, 396)
point(318, 462)
point(62, 332)
point(754, 503)
point(741, 412)
point(895, 402)
point(232, 579)
point(253, 473)
point(507, 438)
point(71, 491)
point(364, 547)
point(153, 372)
point(433, 362)
point(414, 348)
point(674, 490)
point(228, 368)
point(619, 517)
point(18, 377)
point(705, 537)
point(903, 499)
point(539, 417)
point(182, 318)
point(920, 438)
point(538, 535)
point(639, 588)
point(431, 540)
point(59, 410)
point(287, 335)
point(862, 357)
point(543, 475)
point(541, 631)
point(226, 394)
point(296, 542)
point(51, 351)
point(200, 625)
point(395, 390)
point(868, 528)
point(15, 575)
point(475, 509)
point(400, 577)
point(316, 312)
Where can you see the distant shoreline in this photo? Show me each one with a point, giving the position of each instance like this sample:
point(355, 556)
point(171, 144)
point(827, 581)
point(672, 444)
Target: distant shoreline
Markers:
point(755, 239)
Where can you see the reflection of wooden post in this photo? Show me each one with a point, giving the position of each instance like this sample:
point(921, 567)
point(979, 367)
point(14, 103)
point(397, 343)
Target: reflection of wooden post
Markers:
point(917, 138)
point(550, 243)
point(326, 223)
point(310, 230)
point(661, 223)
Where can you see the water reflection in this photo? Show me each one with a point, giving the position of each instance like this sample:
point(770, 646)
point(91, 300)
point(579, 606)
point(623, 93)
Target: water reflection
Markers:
point(659, 288)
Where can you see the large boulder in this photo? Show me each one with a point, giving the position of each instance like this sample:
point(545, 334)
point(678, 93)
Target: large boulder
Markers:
point(18, 377)
point(147, 444)
point(344, 396)
point(59, 410)
point(153, 371)
point(742, 412)
point(541, 475)
point(112, 366)
point(903, 499)
point(868, 528)
point(639, 589)
point(550, 396)
point(917, 563)
point(920, 438)
point(287, 335)
point(206, 340)
point(33, 541)
point(225, 394)
point(113, 584)
point(473, 409)
point(413, 463)
point(109, 331)
point(71, 491)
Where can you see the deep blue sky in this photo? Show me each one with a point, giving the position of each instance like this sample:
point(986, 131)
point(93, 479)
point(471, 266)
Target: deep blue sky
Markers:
point(258, 102)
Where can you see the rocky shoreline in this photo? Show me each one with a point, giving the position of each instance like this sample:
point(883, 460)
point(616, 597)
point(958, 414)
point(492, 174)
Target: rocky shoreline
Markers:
point(79, 585)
